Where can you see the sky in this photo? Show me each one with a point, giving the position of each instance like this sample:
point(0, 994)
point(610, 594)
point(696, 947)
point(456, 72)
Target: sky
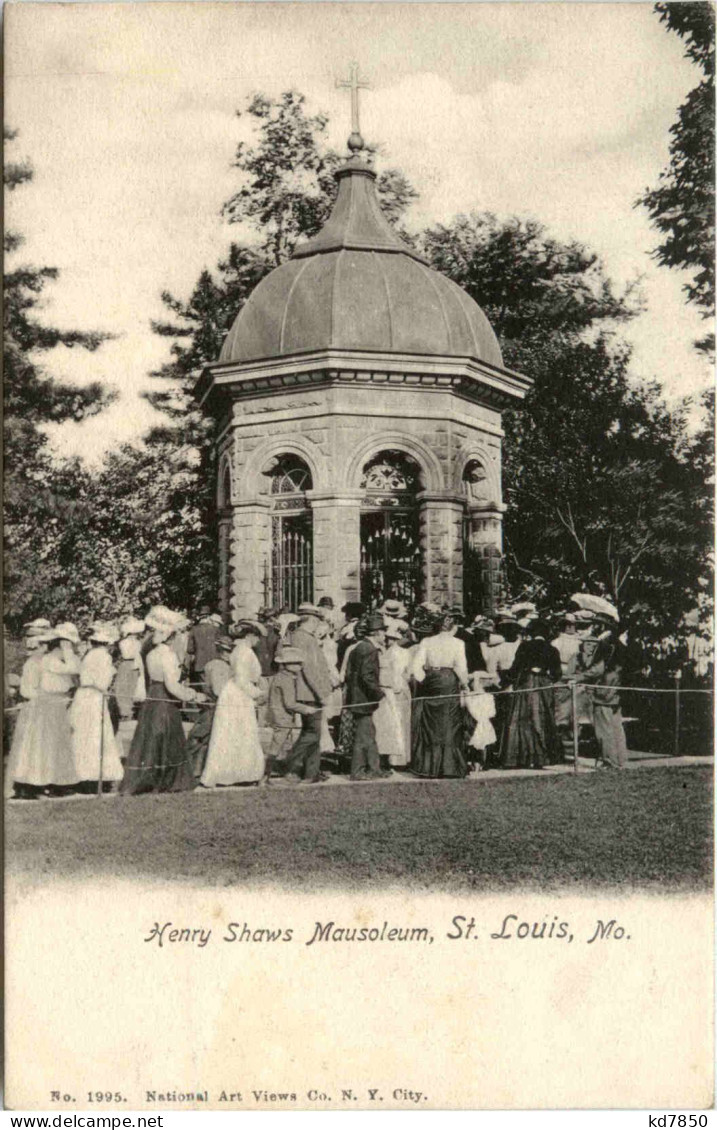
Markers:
point(559, 112)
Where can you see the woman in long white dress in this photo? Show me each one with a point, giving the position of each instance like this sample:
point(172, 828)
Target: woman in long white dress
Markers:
point(235, 756)
point(96, 749)
point(36, 646)
point(43, 757)
point(393, 716)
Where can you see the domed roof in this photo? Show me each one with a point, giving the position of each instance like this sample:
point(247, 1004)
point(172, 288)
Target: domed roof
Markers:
point(357, 285)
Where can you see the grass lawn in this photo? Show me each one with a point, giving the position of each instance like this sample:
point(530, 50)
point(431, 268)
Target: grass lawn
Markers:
point(648, 829)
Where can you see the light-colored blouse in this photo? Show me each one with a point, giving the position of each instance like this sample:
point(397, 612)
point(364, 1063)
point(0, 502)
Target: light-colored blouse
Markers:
point(443, 650)
point(30, 678)
point(246, 669)
point(163, 667)
point(57, 672)
point(97, 669)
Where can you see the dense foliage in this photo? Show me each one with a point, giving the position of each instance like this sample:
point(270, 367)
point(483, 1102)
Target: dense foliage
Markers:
point(606, 488)
point(682, 206)
point(39, 496)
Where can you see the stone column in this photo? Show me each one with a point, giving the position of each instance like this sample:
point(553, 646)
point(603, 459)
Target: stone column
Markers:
point(226, 518)
point(250, 556)
point(337, 544)
point(441, 540)
point(485, 525)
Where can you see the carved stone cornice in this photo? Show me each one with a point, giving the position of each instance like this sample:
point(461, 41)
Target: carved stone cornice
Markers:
point(465, 377)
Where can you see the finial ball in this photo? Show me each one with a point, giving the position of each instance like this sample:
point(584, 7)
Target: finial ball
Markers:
point(356, 142)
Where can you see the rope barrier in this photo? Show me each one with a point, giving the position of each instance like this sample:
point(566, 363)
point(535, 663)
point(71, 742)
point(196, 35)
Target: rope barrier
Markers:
point(194, 707)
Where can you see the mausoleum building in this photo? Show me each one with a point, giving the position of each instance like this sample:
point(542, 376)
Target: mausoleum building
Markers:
point(358, 399)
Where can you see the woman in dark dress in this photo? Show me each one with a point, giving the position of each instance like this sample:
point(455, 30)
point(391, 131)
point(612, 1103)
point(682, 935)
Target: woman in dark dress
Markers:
point(530, 737)
point(438, 737)
point(158, 760)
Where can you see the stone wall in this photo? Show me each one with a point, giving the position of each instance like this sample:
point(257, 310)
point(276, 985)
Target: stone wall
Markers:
point(336, 431)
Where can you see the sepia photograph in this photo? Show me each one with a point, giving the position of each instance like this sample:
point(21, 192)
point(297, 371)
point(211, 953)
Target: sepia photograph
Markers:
point(358, 556)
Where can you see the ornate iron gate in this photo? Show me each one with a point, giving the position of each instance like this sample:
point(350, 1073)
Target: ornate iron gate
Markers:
point(390, 557)
point(292, 561)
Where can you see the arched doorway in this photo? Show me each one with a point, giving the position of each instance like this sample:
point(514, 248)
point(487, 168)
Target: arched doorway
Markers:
point(289, 573)
point(390, 551)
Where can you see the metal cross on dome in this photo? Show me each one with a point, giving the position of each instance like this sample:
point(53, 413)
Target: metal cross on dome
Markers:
point(354, 84)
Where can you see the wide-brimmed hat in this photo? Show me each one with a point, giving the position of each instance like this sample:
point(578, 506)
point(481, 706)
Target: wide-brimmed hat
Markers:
point(396, 609)
point(67, 631)
point(251, 625)
point(132, 626)
point(375, 622)
point(353, 609)
point(162, 619)
point(36, 627)
point(224, 643)
point(524, 608)
point(484, 623)
point(102, 635)
point(288, 655)
point(306, 608)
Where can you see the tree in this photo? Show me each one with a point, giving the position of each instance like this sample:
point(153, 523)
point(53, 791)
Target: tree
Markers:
point(287, 183)
point(38, 493)
point(682, 207)
point(286, 192)
point(605, 489)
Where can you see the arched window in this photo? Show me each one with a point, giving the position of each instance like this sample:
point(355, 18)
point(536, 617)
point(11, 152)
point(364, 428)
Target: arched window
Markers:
point(476, 483)
point(289, 572)
point(390, 553)
point(224, 492)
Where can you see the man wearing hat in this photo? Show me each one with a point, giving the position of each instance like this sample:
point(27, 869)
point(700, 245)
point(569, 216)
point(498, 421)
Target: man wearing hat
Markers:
point(353, 610)
point(313, 684)
point(202, 643)
point(304, 754)
point(363, 692)
point(567, 642)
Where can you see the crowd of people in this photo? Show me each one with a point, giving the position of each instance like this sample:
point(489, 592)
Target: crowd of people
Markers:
point(289, 694)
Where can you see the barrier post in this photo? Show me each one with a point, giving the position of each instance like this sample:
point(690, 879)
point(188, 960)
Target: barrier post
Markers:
point(574, 699)
point(678, 680)
point(102, 743)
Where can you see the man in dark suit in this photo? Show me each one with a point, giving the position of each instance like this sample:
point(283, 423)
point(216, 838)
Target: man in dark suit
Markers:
point(363, 692)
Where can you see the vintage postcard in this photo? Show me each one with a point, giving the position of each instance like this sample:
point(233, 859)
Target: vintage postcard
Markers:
point(358, 556)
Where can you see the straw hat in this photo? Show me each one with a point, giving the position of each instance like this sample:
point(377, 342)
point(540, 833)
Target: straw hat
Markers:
point(224, 643)
point(254, 625)
point(67, 631)
point(393, 608)
point(162, 619)
point(132, 627)
point(36, 627)
point(288, 655)
point(306, 608)
point(100, 635)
